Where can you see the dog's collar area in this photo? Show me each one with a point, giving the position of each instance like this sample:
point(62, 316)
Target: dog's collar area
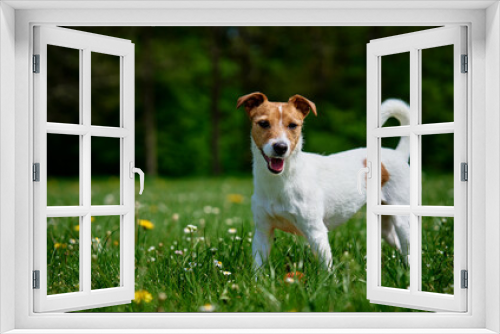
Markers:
point(275, 165)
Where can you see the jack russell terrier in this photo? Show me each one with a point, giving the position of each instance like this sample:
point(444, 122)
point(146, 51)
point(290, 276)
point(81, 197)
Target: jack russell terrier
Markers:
point(310, 194)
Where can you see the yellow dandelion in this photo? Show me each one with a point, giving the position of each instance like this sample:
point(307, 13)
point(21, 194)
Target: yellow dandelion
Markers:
point(92, 219)
point(207, 308)
point(116, 243)
point(235, 198)
point(146, 224)
point(76, 228)
point(58, 245)
point(142, 295)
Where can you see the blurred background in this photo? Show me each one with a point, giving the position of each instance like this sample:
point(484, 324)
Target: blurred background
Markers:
point(187, 81)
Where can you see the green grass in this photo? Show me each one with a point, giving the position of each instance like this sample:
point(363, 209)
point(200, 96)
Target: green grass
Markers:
point(176, 270)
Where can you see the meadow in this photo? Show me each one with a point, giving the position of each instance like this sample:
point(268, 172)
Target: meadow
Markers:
point(193, 252)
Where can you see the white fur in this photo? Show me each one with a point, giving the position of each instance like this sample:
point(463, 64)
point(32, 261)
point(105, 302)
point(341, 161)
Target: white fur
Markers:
point(315, 193)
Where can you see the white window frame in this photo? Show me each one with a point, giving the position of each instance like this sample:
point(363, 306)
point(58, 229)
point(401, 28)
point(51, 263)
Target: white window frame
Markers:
point(16, 125)
point(86, 44)
point(413, 44)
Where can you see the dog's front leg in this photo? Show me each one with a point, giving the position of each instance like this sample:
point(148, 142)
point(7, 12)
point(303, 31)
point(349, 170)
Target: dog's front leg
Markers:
point(318, 239)
point(261, 245)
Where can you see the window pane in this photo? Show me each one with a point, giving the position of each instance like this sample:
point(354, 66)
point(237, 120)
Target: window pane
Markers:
point(105, 89)
point(395, 171)
point(437, 254)
point(63, 255)
point(63, 170)
point(63, 85)
point(437, 169)
point(105, 157)
point(395, 251)
point(105, 252)
point(437, 84)
point(395, 80)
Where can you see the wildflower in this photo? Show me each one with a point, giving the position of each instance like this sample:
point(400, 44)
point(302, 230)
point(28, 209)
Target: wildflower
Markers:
point(162, 296)
point(289, 280)
point(72, 241)
point(207, 308)
point(142, 295)
point(76, 228)
point(175, 217)
point(292, 275)
point(237, 238)
point(96, 240)
point(92, 219)
point(188, 269)
point(235, 198)
point(207, 209)
point(232, 230)
point(116, 243)
point(226, 273)
point(58, 245)
point(215, 211)
point(190, 229)
point(178, 252)
point(218, 264)
point(146, 224)
point(202, 222)
point(229, 221)
point(213, 249)
point(152, 248)
point(192, 264)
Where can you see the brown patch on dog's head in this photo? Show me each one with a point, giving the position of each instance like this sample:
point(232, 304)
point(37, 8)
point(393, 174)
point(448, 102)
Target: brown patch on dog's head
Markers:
point(271, 120)
point(384, 173)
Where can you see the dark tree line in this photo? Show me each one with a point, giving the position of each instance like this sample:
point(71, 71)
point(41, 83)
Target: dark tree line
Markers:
point(188, 80)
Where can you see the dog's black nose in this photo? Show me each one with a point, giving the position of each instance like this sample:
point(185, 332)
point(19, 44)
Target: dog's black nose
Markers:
point(280, 148)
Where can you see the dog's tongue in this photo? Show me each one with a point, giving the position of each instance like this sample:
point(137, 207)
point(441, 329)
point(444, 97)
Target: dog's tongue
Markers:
point(277, 164)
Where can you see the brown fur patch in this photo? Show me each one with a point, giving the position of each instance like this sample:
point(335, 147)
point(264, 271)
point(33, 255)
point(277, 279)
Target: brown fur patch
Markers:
point(384, 173)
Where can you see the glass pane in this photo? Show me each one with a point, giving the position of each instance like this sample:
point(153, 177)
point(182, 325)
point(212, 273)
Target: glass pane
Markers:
point(105, 157)
point(395, 251)
point(395, 171)
point(105, 252)
point(395, 80)
point(63, 170)
point(105, 89)
point(437, 254)
point(63, 255)
point(437, 84)
point(437, 169)
point(63, 85)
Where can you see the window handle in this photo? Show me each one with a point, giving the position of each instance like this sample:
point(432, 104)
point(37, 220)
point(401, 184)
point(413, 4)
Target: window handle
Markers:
point(366, 170)
point(141, 176)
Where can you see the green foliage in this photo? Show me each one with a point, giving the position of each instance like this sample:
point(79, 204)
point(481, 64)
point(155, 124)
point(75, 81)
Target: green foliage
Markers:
point(176, 268)
point(176, 75)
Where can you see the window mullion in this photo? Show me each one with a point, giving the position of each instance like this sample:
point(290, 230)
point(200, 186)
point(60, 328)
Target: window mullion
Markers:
point(414, 171)
point(85, 165)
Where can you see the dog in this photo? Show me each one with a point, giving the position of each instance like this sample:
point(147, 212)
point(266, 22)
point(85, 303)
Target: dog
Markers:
point(309, 194)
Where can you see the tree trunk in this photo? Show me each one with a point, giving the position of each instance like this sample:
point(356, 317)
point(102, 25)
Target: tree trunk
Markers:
point(214, 100)
point(150, 139)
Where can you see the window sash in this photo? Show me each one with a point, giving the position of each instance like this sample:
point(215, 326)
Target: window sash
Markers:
point(86, 43)
point(413, 43)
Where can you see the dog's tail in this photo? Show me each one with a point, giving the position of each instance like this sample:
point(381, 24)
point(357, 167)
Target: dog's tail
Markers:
point(401, 111)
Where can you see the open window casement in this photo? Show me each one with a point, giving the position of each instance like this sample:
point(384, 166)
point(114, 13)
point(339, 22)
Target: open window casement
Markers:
point(418, 295)
point(85, 294)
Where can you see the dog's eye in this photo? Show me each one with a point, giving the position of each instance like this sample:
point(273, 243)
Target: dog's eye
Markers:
point(292, 126)
point(264, 124)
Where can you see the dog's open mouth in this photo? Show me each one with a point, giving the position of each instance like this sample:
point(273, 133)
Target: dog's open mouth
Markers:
point(275, 165)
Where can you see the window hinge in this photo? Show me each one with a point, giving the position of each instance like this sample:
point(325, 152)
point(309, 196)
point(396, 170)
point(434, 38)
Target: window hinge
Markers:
point(36, 172)
point(36, 279)
point(465, 64)
point(464, 168)
point(465, 279)
point(36, 63)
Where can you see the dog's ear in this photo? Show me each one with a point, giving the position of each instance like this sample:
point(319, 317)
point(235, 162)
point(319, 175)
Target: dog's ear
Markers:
point(303, 105)
point(252, 100)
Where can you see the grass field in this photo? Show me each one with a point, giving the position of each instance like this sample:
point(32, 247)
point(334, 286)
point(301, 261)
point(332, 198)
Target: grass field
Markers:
point(193, 252)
